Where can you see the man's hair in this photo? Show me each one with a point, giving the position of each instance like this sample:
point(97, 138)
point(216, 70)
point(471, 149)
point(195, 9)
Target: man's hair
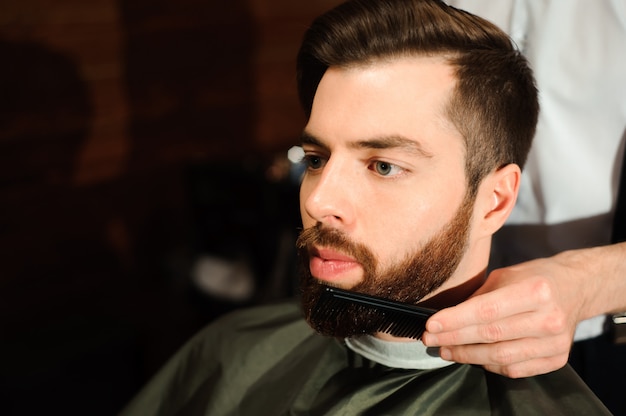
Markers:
point(494, 104)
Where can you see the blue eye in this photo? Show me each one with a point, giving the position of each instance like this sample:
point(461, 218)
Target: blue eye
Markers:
point(386, 168)
point(382, 168)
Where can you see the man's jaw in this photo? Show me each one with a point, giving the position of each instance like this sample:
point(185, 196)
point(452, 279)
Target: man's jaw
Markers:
point(334, 268)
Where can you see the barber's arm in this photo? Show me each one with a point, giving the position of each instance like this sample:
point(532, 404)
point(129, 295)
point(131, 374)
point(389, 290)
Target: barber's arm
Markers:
point(521, 322)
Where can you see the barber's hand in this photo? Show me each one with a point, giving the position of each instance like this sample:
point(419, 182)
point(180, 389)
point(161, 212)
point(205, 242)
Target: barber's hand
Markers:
point(520, 323)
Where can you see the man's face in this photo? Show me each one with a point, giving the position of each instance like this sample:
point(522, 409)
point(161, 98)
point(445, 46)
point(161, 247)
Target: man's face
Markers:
point(383, 201)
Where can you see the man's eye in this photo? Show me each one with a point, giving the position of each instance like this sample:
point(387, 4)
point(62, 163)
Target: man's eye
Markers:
point(313, 161)
point(386, 168)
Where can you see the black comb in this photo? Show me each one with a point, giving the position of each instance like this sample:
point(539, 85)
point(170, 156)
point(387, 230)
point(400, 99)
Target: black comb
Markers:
point(395, 318)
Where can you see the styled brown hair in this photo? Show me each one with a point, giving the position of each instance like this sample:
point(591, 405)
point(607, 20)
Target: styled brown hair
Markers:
point(494, 104)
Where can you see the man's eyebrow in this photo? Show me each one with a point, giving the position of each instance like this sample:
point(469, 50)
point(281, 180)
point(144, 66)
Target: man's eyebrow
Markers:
point(393, 142)
point(308, 138)
point(383, 142)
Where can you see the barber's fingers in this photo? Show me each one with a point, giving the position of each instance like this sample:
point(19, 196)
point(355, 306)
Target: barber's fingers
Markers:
point(515, 359)
point(520, 326)
point(514, 311)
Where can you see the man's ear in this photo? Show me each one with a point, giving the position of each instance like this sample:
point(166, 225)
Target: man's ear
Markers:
point(496, 198)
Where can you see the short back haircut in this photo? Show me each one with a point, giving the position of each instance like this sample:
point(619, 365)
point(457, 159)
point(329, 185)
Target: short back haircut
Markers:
point(494, 104)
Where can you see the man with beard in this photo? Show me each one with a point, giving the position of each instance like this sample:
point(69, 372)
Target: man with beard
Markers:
point(420, 118)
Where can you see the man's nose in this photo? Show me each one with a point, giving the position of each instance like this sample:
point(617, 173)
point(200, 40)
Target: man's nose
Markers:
point(328, 196)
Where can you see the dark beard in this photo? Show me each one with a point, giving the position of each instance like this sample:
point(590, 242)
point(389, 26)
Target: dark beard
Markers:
point(407, 281)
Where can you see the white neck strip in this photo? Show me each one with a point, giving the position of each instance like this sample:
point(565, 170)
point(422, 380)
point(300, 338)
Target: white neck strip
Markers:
point(413, 355)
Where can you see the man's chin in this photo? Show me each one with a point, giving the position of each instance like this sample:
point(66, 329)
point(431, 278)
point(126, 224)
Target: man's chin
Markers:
point(345, 281)
point(326, 319)
point(339, 284)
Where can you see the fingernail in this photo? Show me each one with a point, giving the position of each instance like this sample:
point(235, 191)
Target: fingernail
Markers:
point(445, 354)
point(434, 326)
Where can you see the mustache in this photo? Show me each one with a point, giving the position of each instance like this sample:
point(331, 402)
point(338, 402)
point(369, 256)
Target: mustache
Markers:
point(332, 238)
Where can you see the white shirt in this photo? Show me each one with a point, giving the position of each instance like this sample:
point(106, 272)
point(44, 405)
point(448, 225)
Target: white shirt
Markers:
point(577, 49)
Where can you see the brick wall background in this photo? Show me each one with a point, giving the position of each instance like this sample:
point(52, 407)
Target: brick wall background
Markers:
point(116, 117)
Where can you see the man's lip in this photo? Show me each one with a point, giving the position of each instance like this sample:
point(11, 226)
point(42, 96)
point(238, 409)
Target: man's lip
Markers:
point(332, 255)
point(333, 266)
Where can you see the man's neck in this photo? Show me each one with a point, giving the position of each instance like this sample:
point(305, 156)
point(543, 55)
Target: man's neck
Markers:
point(454, 295)
point(443, 299)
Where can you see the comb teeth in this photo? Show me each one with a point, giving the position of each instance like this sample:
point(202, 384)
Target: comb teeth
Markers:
point(396, 318)
point(402, 325)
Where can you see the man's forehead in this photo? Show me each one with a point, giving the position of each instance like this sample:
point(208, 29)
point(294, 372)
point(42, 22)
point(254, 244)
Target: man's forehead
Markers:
point(387, 103)
point(413, 78)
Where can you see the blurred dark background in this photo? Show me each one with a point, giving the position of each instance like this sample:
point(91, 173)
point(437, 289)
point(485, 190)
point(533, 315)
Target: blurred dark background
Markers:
point(144, 185)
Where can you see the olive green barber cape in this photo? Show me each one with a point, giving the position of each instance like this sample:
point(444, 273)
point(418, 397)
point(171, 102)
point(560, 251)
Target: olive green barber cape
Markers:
point(268, 361)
